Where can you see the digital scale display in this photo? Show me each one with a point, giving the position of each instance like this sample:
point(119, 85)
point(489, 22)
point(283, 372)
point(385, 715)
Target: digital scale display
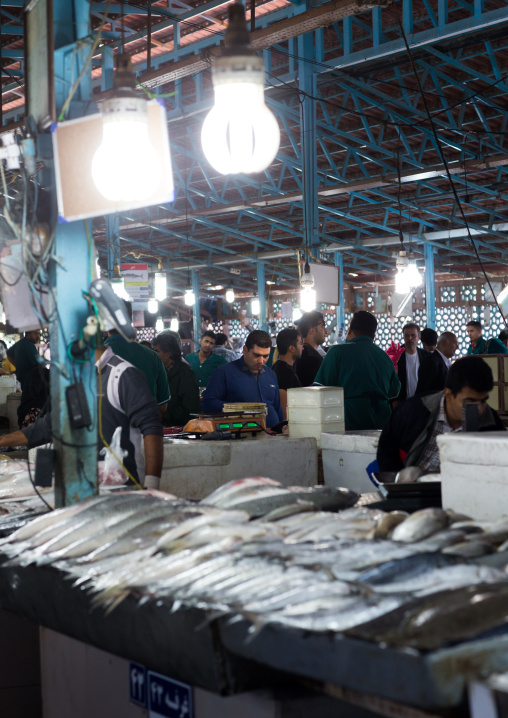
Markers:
point(239, 425)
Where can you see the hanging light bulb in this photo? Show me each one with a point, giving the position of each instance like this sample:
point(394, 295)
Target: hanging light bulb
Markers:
point(408, 277)
point(159, 325)
point(153, 306)
point(174, 324)
point(189, 297)
point(230, 296)
point(239, 134)
point(255, 307)
point(126, 166)
point(160, 288)
point(118, 284)
point(308, 299)
point(297, 313)
point(308, 293)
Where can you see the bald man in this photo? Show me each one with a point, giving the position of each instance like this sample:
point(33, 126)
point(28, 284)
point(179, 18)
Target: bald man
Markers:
point(432, 376)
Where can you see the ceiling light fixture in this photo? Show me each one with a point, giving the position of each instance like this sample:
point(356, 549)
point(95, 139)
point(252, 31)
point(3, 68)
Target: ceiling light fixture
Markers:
point(160, 286)
point(408, 276)
point(189, 297)
point(159, 325)
point(307, 293)
point(153, 306)
point(255, 307)
point(126, 166)
point(240, 133)
point(174, 324)
point(230, 296)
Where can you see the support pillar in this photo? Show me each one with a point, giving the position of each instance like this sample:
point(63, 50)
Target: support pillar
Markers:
point(262, 298)
point(341, 314)
point(196, 315)
point(430, 286)
point(76, 466)
point(307, 84)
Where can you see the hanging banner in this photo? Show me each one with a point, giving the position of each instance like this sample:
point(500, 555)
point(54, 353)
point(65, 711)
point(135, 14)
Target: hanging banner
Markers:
point(136, 283)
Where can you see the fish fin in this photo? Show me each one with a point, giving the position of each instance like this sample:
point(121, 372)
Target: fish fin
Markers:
point(211, 617)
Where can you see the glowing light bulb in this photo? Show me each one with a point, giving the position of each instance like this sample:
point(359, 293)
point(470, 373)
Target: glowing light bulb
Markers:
point(159, 325)
point(119, 289)
point(174, 324)
point(153, 306)
point(189, 298)
point(240, 133)
point(160, 288)
point(414, 277)
point(308, 299)
point(230, 296)
point(255, 307)
point(126, 166)
point(297, 313)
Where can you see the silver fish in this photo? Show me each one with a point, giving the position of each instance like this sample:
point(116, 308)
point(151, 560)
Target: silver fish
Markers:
point(420, 525)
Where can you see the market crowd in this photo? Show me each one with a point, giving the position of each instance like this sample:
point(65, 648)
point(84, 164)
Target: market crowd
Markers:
point(412, 393)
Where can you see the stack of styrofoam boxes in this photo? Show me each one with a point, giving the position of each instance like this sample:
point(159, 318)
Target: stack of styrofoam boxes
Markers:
point(313, 410)
point(474, 473)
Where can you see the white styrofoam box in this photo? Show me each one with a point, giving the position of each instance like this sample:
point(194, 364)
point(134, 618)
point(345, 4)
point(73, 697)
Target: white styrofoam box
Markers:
point(193, 469)
point(315, 414)
point(474, 473)
point(346, 457)
point(363, 442)
point(297, 431)
point(7, 386)
point(316, 396)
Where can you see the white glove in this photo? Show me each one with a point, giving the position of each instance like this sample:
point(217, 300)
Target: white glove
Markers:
point(152, 482)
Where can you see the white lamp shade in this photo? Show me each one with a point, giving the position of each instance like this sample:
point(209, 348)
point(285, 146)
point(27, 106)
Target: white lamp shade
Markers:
point(230, 296)
point(153, 306)
point(174, 324)
point(255, 307)
point(119, 289)
point(189, 297)
point(159, 325)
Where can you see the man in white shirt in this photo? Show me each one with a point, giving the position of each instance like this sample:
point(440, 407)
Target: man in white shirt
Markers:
point(409, 363)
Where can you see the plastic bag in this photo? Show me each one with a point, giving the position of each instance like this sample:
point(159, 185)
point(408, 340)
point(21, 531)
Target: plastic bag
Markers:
point(395, 351)
point(111, 473)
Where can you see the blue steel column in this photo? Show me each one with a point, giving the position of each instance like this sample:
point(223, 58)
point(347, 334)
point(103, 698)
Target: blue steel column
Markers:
point(196, 314)
point(341, 314)
point(113, 237)
point(76, 470)
point(261, 295)
point(430, 287)
point(307, 84)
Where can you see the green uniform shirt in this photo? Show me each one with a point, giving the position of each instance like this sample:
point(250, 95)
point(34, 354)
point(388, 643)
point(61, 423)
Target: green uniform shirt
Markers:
point(203, 371)
point(184, 395)
point(145, 359)
point(368, 378)
point(491, 346)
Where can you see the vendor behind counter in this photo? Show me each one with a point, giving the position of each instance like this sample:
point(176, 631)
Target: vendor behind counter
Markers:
point(410, 435)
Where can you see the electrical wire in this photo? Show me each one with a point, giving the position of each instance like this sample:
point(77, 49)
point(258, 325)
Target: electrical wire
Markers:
point(447, 170)
point(95, 44)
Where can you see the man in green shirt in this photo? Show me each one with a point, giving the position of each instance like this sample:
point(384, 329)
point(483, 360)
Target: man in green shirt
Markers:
point(183, 386)
point(479, 345)
point(365, 372)
point(147, 361)
point(204, 362)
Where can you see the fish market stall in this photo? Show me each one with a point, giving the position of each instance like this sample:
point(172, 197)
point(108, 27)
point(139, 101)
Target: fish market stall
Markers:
point(193, 468)
point(258, 576)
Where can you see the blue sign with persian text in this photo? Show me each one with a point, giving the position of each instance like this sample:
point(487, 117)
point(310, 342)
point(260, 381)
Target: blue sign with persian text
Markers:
point(137, 684)
point(168, 698)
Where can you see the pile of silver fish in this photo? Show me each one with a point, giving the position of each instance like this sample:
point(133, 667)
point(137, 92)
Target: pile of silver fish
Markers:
point(386, 577)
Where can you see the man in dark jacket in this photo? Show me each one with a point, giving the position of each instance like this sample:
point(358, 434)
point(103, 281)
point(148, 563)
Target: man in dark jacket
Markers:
point(410, 435)
point(183, 385)
point(410, 362)
point(433, 372)
point(311, 326)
